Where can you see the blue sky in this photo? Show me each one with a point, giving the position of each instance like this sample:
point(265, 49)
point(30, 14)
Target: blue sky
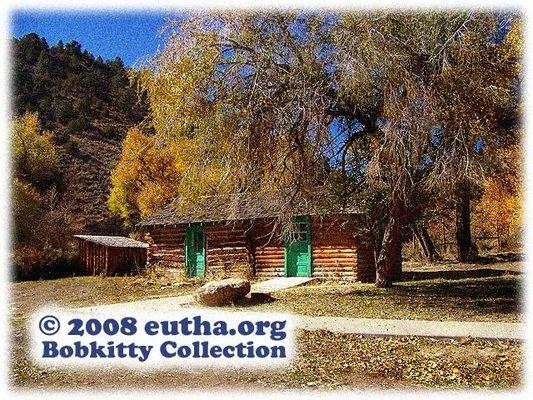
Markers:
point(130, 35)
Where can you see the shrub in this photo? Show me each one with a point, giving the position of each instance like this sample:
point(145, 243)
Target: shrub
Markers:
point(78, 125)
point(63, 137)
point(72, 148)
point(64, 112)
point(26, 203)
point(84, 105)
point(33, 151)
point(31, 261)
point(110, 131)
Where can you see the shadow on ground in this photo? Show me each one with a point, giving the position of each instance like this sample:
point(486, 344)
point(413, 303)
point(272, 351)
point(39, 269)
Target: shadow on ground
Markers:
point(454, 274)
point(500, 257)
point(493, 295)
point(255, 299)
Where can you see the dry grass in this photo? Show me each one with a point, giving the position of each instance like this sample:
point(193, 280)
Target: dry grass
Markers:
point(95, 290)
point(330, 360)
point(475, 299)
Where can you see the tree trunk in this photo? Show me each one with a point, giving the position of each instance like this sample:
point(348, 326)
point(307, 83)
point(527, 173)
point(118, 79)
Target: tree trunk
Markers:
point(466, 249)
point(426, 243)
point(389, 263)
point(250, 247)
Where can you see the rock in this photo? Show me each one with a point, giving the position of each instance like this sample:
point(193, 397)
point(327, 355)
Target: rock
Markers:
point(226, 291)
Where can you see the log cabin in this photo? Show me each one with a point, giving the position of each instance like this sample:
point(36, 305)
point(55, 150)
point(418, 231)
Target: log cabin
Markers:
point(225, 236)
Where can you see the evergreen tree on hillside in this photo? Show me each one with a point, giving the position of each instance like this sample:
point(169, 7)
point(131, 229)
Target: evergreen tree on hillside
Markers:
point(54, 80)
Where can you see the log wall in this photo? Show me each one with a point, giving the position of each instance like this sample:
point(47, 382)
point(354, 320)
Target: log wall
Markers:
point(245, 248)
point(98, 259)
point(166, 247)
point(269, 250)
point(340, 250)
point(337, 250)
point(227, 254)
point(227, 251)
point(334, 248)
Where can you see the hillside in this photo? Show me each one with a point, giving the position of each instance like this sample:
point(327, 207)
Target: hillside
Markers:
point(88, 104)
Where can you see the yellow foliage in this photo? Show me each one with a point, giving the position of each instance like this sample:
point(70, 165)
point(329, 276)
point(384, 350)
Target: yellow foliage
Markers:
point(501, 207)
point(150, 174)
point(144, 178)
point(513, 47)
point(33, 151)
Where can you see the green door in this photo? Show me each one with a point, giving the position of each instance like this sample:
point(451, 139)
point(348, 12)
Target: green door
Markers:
point(195, 250)
point(298, 251)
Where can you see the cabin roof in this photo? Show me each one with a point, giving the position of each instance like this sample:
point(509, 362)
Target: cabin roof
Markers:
point(236, 207)
point(112, 241)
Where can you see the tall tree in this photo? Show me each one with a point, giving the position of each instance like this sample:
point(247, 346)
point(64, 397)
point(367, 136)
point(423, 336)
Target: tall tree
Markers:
point(395, 104)
point(461, 58)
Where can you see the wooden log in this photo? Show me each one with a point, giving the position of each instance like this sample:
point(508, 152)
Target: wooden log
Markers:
point(337, 249)
point(270, 258)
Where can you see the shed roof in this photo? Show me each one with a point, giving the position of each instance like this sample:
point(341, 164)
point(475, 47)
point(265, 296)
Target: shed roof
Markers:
point(112, 241)
point(239, 207)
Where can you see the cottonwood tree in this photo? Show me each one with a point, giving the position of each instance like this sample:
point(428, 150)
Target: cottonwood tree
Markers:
point(394, 106)
point(143, 177)
point(151, 172)
point(484, 93)
point(470, 72)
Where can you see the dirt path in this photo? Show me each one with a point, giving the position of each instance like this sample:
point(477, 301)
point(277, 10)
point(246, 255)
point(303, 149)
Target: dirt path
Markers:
point(392, 327)
point(359, 326)
point(275, 284)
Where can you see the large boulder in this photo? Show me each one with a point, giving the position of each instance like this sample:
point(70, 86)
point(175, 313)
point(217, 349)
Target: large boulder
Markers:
point(218, 293)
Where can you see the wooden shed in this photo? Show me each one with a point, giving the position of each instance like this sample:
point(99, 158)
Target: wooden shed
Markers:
point(111, 255)
point(221, 235)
